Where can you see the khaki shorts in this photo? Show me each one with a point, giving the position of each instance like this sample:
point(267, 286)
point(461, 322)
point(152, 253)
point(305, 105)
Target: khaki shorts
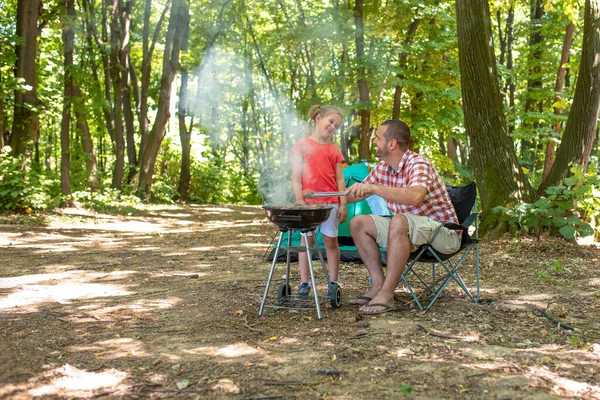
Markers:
point(420, 231)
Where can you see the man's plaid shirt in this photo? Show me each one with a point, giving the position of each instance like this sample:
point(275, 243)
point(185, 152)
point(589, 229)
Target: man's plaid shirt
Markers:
point(416, 170)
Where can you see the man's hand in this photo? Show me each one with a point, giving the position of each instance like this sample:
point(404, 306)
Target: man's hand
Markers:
point(360, 190)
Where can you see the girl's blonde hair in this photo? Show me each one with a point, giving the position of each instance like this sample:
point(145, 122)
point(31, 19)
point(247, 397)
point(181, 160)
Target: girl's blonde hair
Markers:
point(323, 111)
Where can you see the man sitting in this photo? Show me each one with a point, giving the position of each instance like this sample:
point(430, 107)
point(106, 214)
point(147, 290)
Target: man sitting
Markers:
point(419, 201)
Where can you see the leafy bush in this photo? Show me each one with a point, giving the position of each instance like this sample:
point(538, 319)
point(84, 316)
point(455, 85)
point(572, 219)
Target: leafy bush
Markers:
point(18, 193)
point(108, 200)
point(566, 208)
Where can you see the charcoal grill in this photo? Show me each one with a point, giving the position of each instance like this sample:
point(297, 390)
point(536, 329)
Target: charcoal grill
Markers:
point(306, 219)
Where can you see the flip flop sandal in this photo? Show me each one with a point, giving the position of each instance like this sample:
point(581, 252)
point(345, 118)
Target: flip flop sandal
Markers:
point(366, 299)
point(385, 307)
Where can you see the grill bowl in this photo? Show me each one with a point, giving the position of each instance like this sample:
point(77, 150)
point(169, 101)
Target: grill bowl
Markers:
point(303, 217)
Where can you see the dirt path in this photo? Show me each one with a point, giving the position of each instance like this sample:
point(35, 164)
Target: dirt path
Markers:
point(164, 304)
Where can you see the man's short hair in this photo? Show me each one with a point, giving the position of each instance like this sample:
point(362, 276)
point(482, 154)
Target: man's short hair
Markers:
point(398, 130)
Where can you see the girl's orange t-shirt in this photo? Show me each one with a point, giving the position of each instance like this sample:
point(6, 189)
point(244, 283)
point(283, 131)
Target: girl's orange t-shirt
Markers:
point(318, 168)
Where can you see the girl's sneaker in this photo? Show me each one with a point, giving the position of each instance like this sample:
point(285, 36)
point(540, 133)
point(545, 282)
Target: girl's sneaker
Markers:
point(303, 289)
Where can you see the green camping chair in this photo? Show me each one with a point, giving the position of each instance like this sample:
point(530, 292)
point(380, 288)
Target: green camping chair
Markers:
point(464, 200)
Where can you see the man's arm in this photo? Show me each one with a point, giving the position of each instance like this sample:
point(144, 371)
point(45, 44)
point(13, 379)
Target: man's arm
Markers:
point(410, 196)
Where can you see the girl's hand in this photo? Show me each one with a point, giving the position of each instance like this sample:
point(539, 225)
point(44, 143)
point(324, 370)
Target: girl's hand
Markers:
point(342, 213)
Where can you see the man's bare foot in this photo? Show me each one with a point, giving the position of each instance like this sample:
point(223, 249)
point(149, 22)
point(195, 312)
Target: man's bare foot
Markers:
point(361, 300)
point(365, 298)
point(378, 304)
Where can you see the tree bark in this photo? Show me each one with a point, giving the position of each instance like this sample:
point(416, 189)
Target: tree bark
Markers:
point(128, 117)
point(68, 36)
point(177, 22)
point(116, 40)
point(558, 89)
point(26, 120)
point(412, 29)
point(87, 143)
point(147, 51)
point(2, 120)
point(364, 134)
point(580, 130)
point(499, 177)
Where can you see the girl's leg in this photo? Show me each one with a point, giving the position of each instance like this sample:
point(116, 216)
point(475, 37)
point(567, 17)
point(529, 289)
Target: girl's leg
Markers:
point(332, 249)
point(303, 261)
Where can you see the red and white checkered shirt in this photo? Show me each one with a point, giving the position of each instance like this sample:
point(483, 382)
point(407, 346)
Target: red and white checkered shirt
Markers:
point(416, 170)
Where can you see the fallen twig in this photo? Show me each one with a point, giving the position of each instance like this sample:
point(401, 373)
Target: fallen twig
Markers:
point(284, 383)
point(251, 328)
point(556, 320)
point(451, 337)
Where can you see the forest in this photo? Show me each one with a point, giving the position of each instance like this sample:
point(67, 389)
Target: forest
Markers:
point(126, 101)
point(139, 140)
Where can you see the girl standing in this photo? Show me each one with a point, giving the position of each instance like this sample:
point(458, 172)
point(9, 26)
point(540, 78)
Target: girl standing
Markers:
point(317, 167)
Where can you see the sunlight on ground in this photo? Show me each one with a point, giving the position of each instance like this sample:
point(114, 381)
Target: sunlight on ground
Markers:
point(587, 241)
point(228, 224)
point(202, 248)
point(61, 293)
point(100, 313)
point(115, 348)
point(216, 210)
point(69, 381)
point(231, 351)
point(573, 388)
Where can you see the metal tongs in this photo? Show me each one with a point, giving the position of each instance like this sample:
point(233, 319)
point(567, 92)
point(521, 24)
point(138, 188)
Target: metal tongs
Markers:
point(312, 195)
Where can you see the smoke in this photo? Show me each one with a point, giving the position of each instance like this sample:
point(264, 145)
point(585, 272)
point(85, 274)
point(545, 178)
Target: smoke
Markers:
point(224, 86)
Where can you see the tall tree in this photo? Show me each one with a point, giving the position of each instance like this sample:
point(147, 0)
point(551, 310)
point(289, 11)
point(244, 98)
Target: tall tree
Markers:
point(500, 179)
point(364, 133)
point(25, 120)
point(148, 46)
point(68, 35)
point(558, 89)
point(178, 22)
point(580, 130)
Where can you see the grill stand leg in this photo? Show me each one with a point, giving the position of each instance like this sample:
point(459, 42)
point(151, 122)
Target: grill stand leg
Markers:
point(275, 255)
point(312, 272)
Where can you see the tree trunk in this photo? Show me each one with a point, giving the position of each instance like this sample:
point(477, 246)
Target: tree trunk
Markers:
point(177, 22)
point(128, 116)
point(68, 35)
point(499, 178)
point(412, 29)
point(558, 89)
point(26, 120)
point(580, 131)
point(116, 39)
point(185, 134)
point(87, 143)
point(2, 120)
point(147, 51)
point(364, 145)
point(510, 83)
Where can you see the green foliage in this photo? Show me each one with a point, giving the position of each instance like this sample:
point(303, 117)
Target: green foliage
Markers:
point(406, 389)
point(18, 193)
point(566, 208)
point(551, 271)
point(107, 200)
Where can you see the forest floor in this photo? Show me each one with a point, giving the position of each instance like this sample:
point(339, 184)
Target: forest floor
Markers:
point(163, 303)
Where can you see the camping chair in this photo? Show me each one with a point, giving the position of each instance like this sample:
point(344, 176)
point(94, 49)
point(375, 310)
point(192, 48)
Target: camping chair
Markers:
point(464, 200)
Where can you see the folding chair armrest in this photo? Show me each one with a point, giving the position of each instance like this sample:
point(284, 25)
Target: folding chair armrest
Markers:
point(465, 225)
point(454, 227)
point(470, 219)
